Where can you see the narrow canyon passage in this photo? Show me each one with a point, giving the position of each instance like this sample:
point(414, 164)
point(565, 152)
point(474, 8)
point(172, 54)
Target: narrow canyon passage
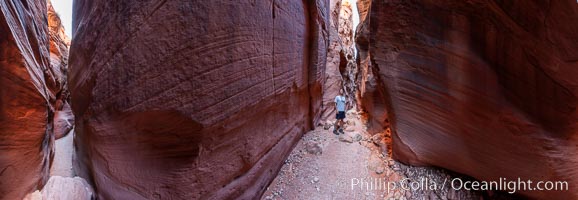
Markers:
point(221, 99)
point(358, 165)
point(63, 155)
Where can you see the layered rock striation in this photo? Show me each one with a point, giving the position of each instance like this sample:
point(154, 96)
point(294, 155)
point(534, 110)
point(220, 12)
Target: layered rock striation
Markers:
point(31, 91)
point(485, 88)
point(341, 68)
point(371, 98)
point(59, 44)
point(193, 99)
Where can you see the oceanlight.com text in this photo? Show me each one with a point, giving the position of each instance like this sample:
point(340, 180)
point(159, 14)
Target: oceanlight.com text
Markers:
point(503, 184)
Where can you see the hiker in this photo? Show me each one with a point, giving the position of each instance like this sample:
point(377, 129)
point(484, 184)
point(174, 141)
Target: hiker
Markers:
point(340, 106)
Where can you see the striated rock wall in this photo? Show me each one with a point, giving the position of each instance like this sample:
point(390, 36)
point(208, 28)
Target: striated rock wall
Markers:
point(348, 65)
point(370, 97)
point(59, 44)
point(341, 68)
point(333, 79)
point(31, 88)
point(193, 99)
point(485, 88)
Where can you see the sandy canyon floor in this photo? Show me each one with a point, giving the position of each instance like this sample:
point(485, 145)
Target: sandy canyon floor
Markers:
point(351, 166)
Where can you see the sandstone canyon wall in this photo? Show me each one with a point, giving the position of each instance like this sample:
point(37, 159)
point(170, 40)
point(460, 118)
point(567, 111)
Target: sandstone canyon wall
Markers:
point(485, 88)
point(333, 79)
point(30, 90)
point(59, 44)
point(341, 68)
point(370, 93)
point(348, 65)
point(193, 99)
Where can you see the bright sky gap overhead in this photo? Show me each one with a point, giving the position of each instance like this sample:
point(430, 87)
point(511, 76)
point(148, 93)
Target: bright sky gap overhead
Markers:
point(64, 10)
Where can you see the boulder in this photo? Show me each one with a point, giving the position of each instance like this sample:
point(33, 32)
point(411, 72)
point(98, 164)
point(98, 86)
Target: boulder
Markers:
point(313, 148)
point(345, 138)
point(63, 121)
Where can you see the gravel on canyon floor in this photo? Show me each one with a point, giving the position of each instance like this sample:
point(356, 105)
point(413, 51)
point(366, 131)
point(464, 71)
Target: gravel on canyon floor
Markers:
point(352, 166)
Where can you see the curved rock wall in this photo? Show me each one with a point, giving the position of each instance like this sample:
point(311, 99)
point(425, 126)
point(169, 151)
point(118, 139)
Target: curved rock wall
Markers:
point(341, 68)
point(193, 99)
point(59, 44)
point(485, 88)
point(30, 90)
point(333, 79)
point(370, 93)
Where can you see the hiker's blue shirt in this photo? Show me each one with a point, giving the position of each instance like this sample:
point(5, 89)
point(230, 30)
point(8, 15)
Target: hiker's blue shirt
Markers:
point(340, 101)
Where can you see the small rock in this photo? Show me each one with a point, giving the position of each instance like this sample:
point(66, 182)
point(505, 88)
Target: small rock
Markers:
point(408, 194)
point(328, 124)
point(350, 123)
point(379, 170)
point(313, 148)
point(351, 112)
point(350, 129)
point(377, 139)
point(345, 138)
point(315, 179)
point(357, 137)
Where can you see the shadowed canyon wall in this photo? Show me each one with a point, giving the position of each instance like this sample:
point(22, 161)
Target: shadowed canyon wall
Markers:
point(193, 99)
point(485, 88)
point(333, 79)
point(370, 93)
point(32, 87)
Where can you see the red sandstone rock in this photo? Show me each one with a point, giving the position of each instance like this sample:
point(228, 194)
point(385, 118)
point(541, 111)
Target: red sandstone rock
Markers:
point(347, 66)
point(31, 88)
point(341, 68)
point(484, 88)
point(59, 43)
point(370, 92)
point(25, 137)
point(63, 121)
point(193, 99)
point(333, 79)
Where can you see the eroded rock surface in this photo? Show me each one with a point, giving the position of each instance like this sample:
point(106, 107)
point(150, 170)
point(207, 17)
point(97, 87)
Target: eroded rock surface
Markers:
point(31, 88)
point(341, 68)
point(484, 88)
point(193, 99)
point(333, 79)
point(371, 97)
point(59, 44)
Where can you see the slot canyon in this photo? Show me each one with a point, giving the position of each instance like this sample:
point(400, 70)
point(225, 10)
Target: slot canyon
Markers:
point(218, 99)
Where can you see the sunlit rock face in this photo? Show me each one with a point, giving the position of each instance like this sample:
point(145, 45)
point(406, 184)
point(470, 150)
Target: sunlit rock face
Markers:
point(484, 88)
point(333, 79)
point(341, 68)
point(193, 99)
point(31, 88)
point(59, 44)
